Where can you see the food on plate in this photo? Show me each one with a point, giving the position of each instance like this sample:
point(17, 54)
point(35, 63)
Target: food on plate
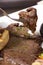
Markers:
point(21, 50)
point(29, 18)
point(4, 39)
point(17, 46)
point(32, 12)
point(18, 30)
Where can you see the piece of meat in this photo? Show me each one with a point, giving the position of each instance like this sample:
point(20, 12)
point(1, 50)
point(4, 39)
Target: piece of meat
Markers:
point(32, 12)
point(20, 51)
point(29, 18)
point(19, 31)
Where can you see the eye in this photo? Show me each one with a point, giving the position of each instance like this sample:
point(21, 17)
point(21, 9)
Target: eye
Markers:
point(41, 30)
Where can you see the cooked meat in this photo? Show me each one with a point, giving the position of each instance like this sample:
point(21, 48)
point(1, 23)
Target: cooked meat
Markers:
point(32, 12)
point(18, 30)
point(29, 18)
point(20, 51)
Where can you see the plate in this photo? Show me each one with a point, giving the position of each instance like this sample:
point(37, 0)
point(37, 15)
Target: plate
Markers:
point(5, 21)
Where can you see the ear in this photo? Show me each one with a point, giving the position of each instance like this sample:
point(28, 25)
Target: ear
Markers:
point(41, 30)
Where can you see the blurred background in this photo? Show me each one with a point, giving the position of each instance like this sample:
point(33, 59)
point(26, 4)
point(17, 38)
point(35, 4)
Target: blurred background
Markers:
point(15, 5)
